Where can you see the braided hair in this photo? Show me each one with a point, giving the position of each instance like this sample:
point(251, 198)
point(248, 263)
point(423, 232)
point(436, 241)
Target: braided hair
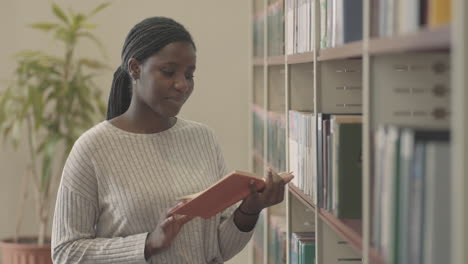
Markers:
point(143, 41)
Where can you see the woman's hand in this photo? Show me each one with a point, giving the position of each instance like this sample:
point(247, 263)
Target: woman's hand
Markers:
point(165, 232)
point(271, 195)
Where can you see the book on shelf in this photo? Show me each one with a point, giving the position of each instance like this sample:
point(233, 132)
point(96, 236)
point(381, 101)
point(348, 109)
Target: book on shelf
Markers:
point(275, 27)
point(229, 190)
point(258, 122)
point(411, 211)
point(346, 133)
point(300, 21)
point(439, 12)
point(341, 22)
point(258, 28)
point(302, 248)
point(276, 144)
point(339, 159)
point(302, 151)
point(277, 240)
point(325, 155)
point(396, 17)
point(258, 237)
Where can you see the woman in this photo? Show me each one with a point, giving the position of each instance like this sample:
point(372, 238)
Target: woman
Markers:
point(123, 174)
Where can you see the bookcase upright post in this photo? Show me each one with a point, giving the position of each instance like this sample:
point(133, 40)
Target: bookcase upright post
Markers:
point(366, 194)
point(460, 131)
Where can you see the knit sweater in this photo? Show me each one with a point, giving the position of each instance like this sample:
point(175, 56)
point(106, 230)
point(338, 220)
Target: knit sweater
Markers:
point(116, 186)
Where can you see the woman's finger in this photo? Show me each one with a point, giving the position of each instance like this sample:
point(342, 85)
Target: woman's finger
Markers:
point(286, 177)
point(253, 189)
point(268, 184)
point(269, 179)
point(277, 191)
point(185, 219)
point(280, 196)
point(170, 210)
point(167, 222)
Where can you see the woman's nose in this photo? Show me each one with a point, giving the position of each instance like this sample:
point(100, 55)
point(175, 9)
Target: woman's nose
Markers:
point(181, 83)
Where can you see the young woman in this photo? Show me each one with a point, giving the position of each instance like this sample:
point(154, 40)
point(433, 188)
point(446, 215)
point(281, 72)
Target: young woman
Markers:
point(123, 174)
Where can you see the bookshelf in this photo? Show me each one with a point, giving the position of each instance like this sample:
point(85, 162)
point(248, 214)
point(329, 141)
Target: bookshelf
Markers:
point(405, 80)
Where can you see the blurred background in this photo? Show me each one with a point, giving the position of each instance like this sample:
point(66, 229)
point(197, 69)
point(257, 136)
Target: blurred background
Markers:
point(222, 35)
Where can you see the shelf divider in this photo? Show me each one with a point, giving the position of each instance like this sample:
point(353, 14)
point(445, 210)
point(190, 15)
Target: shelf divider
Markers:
point(298, 58)
point(349, 229)
point(348, 50)
point(423, 40)
point(301, 196)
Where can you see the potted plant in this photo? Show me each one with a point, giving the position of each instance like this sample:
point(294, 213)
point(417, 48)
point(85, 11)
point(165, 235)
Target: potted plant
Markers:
point(51, 101)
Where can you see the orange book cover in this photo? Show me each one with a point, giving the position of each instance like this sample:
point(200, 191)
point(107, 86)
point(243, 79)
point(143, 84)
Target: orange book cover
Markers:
point(439, 12)
point(231, 189)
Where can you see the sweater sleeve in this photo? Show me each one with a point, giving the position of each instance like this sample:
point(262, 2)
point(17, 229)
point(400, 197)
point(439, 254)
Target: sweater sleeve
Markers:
point(231, 239)
point(74, 237)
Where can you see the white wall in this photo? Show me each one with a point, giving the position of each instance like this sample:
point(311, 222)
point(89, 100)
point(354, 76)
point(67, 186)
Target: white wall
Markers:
point(221, 32)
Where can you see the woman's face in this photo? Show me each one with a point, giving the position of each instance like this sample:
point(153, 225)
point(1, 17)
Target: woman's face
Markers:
point(166, 79)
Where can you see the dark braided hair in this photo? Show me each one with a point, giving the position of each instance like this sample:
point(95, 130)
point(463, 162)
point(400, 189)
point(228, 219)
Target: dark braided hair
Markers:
point(143, 41)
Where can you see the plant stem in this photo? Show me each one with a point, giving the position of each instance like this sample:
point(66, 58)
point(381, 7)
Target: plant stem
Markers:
point(20, 212)
point(32, 149)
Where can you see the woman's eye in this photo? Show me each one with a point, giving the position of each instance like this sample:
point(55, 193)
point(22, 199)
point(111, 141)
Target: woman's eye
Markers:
point(168, 73)
point(189, 76)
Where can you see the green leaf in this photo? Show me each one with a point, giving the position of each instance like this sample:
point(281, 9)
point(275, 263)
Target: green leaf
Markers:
point(58, 12)
point(98, 9)
point(44, 26)
point(77, 21)
point(93, 64)
point(49, 151)
point(89, 26)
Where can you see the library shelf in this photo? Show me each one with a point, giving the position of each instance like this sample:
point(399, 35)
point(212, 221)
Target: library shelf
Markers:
point(275, 60)
point(298, 58)
point(348, 229)
point(348, 50)
point(301, 196)
point(424, 40)
point(258, 61)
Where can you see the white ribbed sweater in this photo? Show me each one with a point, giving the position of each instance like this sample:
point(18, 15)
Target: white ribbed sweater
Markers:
point(116, 186)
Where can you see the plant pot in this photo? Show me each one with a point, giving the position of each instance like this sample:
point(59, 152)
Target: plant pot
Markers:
point(26, 251)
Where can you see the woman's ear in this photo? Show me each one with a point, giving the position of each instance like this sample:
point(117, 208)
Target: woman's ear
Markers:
point(134, 68)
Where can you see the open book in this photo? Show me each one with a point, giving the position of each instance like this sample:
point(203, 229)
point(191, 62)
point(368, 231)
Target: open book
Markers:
point(231, 189)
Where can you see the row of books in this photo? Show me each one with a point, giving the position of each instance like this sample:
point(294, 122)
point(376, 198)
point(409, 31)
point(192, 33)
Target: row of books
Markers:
point(302, 155)
point(276, 134)
point(325, 155)
point(258, 125)
point(339, 164)
point(258, 27)
point(277, 240)
point(302, 248)
point(340, 22)
point(393, 17)
point(275, 16)
point(299, 19)
point(258, 239)
point(411, 204)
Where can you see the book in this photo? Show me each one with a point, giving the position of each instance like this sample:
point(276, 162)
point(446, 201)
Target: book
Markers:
point(347, 165)
point(351, 21)
point(298, 239)
point(231, 189)
point(437, 240)
point(439, 12)
point(306, 251)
